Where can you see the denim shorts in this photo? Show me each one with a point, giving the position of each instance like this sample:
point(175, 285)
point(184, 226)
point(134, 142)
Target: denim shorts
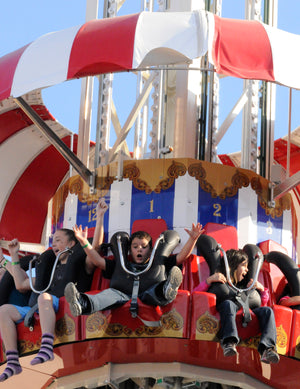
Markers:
point(23, 310)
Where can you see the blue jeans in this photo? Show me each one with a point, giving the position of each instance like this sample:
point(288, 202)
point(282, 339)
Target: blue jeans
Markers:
point(265, 315)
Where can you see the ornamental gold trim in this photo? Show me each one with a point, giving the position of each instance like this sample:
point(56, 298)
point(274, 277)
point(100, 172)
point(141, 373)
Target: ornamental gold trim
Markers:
point(196, 170)
point(97, 325)
point(207, 327)
point(27, 346)
point(133, 173)
point(282, 339)
point(238, 180)
point(174, 171)
point(284, 203)
point(65, 326)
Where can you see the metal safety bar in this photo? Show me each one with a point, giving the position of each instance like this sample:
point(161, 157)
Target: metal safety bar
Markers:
point(260, 262)
point(52, 272)
point(136, 274)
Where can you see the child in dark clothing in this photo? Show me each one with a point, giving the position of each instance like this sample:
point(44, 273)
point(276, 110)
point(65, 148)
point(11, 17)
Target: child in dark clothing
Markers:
point(228, 306)
point(155, 287)
point(48, 302)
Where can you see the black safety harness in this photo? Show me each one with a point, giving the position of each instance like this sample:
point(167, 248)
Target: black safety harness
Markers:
point(168, 237)
point(29, 317)
point(242, 295)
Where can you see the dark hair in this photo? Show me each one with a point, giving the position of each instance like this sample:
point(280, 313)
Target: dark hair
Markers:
point(141, 235)
point(70, 234)
point(235, 258)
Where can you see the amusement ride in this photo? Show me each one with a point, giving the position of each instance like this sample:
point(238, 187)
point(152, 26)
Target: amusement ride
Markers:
point(168, 176)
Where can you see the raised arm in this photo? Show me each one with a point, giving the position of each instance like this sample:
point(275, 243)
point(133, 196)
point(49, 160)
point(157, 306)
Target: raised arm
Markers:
point(101, 208)
point(20, 277)
point(93, 258)
point(187, 249)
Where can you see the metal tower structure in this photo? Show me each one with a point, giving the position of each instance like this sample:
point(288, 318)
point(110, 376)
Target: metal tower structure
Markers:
point(169, 99)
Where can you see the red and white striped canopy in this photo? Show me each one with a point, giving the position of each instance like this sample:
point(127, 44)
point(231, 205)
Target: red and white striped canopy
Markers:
point(244, 49)
point(31, 169)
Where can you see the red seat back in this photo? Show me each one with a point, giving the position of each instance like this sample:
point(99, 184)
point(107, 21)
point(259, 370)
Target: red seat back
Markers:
point(225, 235)
point(154, 227)
point(270, 245)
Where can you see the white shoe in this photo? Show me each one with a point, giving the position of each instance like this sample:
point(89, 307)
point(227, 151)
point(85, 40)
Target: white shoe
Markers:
point(172, 284)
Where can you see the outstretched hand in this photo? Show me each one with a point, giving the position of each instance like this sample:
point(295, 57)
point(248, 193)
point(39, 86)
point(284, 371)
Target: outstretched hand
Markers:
point(81, 234)
point(13, 247)
point(196, 231)
point(216, 277)
point(257, 285)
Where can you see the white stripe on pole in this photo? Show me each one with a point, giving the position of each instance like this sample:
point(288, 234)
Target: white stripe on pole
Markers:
point(120, 206)
point(247, 217)
point(185, 210)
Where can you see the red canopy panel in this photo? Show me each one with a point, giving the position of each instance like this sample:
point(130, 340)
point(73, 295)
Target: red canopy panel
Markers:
point(15, 120)
point(31, 170)
point(101, 46)
point(26, 208)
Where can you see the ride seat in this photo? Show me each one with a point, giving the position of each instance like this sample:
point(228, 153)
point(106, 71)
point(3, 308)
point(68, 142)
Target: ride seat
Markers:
point(118, 322)
point(225, 235)
point(270, 245)
point(154, 227)
point(67, 330)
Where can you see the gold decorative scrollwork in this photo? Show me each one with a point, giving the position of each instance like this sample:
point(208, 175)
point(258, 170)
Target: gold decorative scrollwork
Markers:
point(132, 172)
point(172, 321)
point(65, 326)
point(174, 171)
point(103, 183)
point(238, 180)
point(96, 322)
point(196, 170)
point(117, 329)
point(26, 346)
point(252, 342)
point(207, 324)
point(148, 331)
point(281, 337)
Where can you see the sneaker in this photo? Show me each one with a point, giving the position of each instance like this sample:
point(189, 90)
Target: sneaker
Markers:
point(73, 298)
point(270, 356)
point(229, 349)
point(172, 284)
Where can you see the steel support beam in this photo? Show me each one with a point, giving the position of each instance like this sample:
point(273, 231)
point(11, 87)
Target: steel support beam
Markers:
point(60, 146)
point(131, 118)
point(285, 186)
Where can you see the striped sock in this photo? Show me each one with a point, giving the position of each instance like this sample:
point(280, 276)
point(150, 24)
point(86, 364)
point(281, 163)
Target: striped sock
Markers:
point(46, 351)
point(13, 365)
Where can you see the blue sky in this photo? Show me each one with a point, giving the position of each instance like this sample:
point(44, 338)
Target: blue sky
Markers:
point(23, 21)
